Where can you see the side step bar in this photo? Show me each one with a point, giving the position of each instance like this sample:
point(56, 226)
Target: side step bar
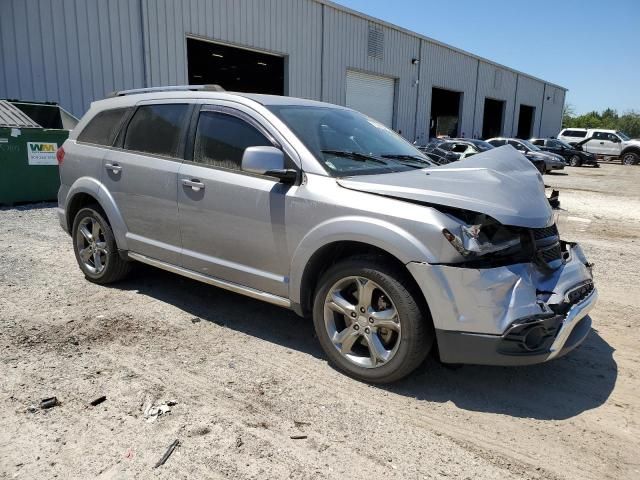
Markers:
point(216, 282)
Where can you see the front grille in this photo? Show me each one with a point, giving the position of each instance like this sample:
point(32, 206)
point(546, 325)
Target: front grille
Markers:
point(552, 253)
point(542, 233)
point(548, 250)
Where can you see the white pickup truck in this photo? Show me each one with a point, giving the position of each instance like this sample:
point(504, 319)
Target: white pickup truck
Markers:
point(606, 144)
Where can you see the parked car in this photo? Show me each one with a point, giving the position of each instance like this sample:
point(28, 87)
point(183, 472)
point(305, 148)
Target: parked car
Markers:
point(323, 210)
point(606, 144)
point(532, 152)
point(465, 147)
point(574, 156)
point(439, 155)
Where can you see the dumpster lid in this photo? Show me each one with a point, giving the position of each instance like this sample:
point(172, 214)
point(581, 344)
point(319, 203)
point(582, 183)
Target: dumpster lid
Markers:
point(12, 116)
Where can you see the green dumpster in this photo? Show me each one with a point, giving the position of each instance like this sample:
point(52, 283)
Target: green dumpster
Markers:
point(30, 134)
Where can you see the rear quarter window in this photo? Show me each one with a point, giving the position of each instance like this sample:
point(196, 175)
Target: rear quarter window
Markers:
point(104, 127)
point(574, 133)
point(157, 129)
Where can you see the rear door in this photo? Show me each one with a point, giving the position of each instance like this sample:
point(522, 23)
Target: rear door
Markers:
point(232, 222)
point(141, 175)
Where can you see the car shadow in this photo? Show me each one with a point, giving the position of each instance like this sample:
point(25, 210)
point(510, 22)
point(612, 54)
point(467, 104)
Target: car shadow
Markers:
point(560, 174)
point(561, 389)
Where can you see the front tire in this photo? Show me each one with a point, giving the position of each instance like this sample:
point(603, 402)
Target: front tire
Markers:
point(630, 158)
point(370, 320)
point(95, 247)
point(575, 161)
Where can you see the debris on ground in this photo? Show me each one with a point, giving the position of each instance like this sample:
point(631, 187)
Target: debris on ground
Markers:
point(98, 401)
point(299, 423)
point(48, 402)
point(239, 442)
point(153, 411)
point(196, 320)
point(168, 453)
point(297, 437)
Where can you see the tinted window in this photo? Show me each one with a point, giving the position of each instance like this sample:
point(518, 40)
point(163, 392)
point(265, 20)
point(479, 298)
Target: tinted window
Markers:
point(575, 133)
point(459, 148)
point(221, 140)
point(497, 143)
point(104, 127)
point(517, 145)
point(539, 141)
point(157, 129)
point(600, 136)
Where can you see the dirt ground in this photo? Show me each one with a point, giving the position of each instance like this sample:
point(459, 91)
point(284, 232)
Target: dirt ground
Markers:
point(247, 376)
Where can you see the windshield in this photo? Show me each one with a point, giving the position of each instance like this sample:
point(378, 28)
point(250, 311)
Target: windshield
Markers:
point(482, 145)
point(559, 144)
point(623, 136)
point(348, 142)
point(530, 145)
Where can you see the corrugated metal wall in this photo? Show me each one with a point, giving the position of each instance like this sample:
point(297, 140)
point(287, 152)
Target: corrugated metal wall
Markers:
point(76, 51)
point(551, 122)
point(69, 51)
point(345, 47)
point(529, 92)
point(498, 84)
point(291, 28)
point(442, 67)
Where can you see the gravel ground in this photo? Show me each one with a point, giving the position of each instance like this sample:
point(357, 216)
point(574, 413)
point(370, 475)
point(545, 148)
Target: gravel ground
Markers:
point(247, 377)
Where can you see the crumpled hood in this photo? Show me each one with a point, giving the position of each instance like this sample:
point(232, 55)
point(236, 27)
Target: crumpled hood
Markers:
point(500, 183)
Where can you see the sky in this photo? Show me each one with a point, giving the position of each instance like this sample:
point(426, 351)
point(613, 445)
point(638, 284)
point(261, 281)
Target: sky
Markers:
point(591, 47)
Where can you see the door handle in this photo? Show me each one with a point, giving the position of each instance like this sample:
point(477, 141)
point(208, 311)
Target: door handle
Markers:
point(195, 184)
point(114, 167)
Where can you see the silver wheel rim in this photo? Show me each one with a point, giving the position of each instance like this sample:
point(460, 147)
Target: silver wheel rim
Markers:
point(362, 322)
point(575, 160)
point(92, 245)
point(628, 159)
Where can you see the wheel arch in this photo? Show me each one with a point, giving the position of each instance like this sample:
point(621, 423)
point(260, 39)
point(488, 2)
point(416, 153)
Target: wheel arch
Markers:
point(630, 149)
point(324, 246)
point(86, 191)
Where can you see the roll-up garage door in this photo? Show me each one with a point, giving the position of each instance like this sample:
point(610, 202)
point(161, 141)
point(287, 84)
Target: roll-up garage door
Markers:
point(371, 95)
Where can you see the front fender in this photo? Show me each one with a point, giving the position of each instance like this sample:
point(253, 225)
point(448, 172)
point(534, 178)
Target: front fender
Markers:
point(378, 233)
point(91, 186)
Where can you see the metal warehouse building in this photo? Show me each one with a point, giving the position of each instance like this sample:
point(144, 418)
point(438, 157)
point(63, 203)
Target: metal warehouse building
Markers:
point(76, 51)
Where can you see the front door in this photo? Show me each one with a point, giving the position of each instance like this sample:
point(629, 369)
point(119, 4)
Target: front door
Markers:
point(142, 174)
point(232, 223)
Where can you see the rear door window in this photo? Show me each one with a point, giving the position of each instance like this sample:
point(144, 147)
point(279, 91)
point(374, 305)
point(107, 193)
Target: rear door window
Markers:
point(221, 140)
point(103, 128)
point(575, 133)
point(498, 143)
point(158, 129)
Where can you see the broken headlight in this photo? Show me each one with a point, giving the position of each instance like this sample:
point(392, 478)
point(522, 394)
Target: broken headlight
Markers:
point(478, 235)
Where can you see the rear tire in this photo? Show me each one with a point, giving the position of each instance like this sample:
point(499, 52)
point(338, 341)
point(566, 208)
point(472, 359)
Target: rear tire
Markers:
point(95, 247)
point(630, 158)
point(380, 339)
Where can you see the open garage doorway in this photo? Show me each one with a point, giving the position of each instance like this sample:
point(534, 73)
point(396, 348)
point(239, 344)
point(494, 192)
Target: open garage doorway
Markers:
point(525, 121)
point(493, 118)
point(234, 69)
point(445, 113)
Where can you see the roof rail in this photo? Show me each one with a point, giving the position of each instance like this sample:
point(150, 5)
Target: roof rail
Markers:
point(170, 88)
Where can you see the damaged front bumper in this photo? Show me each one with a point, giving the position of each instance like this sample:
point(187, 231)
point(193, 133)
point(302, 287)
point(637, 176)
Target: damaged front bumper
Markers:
point(510, 315)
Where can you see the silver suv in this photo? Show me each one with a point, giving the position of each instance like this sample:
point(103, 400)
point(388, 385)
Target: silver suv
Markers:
point(320, 209)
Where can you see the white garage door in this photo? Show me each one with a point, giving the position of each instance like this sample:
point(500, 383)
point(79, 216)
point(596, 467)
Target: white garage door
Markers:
point(371, 95)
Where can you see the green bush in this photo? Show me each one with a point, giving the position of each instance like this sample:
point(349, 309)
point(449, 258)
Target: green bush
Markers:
point(629, 122)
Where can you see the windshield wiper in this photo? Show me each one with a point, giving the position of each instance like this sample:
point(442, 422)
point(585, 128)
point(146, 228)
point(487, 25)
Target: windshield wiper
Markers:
point(412, 158)
point(361, 157)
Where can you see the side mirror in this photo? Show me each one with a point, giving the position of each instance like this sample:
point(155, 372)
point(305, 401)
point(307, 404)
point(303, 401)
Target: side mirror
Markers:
point(267, 161)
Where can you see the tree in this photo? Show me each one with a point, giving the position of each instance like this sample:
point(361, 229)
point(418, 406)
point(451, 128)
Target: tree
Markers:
point(629, 122)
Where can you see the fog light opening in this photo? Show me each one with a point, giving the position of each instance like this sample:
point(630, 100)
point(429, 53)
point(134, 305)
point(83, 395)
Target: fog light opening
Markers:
point(534, 338)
